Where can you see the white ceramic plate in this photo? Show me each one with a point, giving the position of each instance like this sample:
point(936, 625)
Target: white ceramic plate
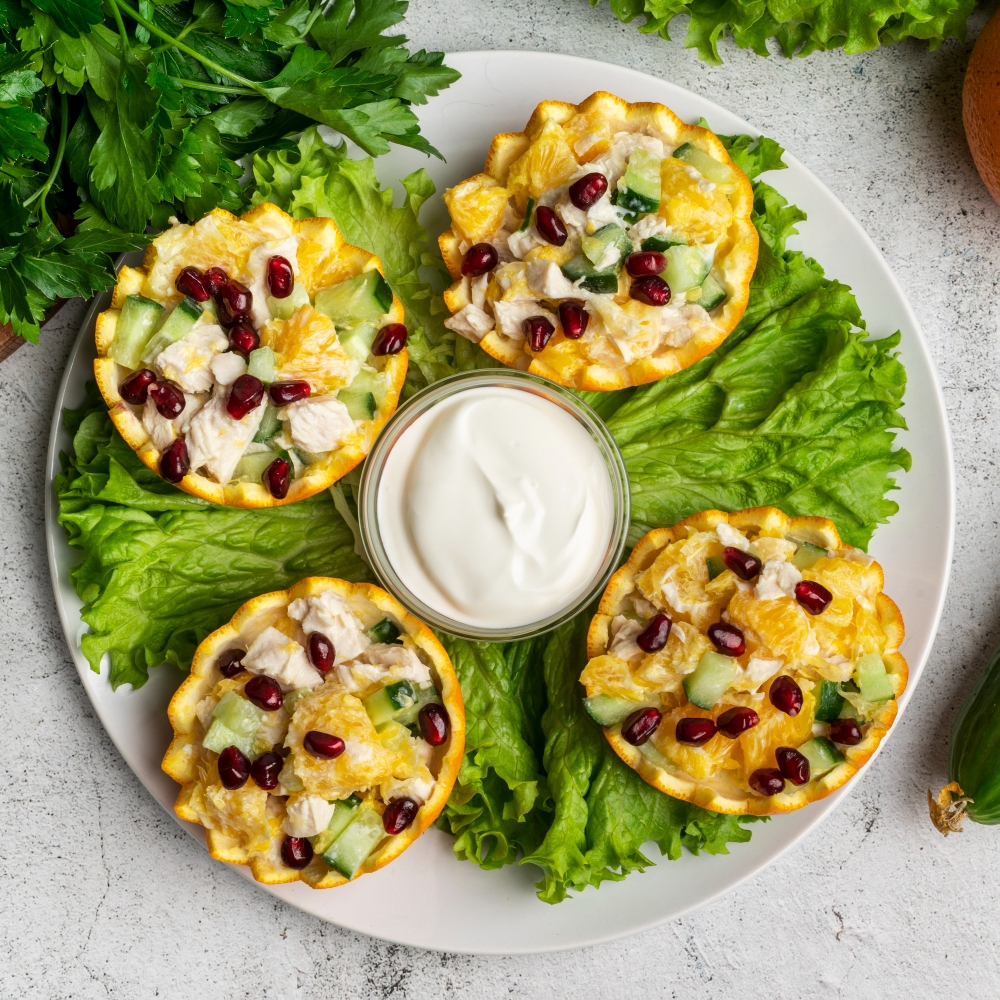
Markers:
point(462, 908)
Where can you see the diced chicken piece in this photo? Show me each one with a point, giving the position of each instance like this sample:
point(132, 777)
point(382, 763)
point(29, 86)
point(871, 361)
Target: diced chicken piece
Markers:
point(228, 367)
point(318, 423)
point(729, 536)
point(329, 613)
point(510, 315)
point(477, 290)
point(161, 431)
point(256, 273)
point(216, 442)
point(187, 361)
point(273, 653)
point(419, 788)
point(623, 644)
point(307, 815)
point(471, 322)
point(546, 278)
point(520, 243)
point(777, 579)
point(602, 213)
point(648, 225)
point(401, 661)
point(758, 670)
point(609, 258)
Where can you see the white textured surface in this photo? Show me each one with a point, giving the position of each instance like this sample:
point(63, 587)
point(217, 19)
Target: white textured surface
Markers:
point(104, 896)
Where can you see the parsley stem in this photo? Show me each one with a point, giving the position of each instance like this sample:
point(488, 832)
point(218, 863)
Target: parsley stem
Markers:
point(43, 191)
point(215, 87)
point(193, 53)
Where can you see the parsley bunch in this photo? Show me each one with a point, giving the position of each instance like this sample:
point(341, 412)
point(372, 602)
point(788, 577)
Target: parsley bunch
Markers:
point(115, 116)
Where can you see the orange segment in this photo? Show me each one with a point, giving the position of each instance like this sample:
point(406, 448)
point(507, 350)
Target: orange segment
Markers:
point(547, 163)
point(699, 762)
point(308, 348)
point(774, 730)
point(476, 206)
point(703, 216)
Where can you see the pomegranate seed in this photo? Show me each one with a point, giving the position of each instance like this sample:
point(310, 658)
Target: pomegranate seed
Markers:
point(587, 190)
point(538, 330)
point(786, 695)
point(265, 770)
point(727, 639)
point(265, 693)
point(482, 257)
point(398, 815)
point(694, 732)
point(280, 277)
point(645, 262)
point(736, 721)
point(283, 393)
point(234, 302)
point(846, 732)
point(296, 852)
point(744, 565)
point(243, 338)
point(651, 289)
point(246, 394)
point(391, 339)
point(574, 319)
point(231, 662)
point(767, 781)
point(214, 278)
point(792, 765)
point(191, 282)
point(135, 389)
point(321, 652)
point(814, 597)
point(639, 726)
point(654, 636)
point(168, 397)
point(323, 744)
point(234, 768)
point(174, 462)
point(434, 724)
point(550, 226)
point(278, 477)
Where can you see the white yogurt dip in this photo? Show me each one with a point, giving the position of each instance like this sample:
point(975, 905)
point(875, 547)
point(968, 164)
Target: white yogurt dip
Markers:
point(496, 508)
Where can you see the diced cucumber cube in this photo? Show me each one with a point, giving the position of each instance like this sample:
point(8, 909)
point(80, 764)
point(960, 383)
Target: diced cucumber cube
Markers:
point(712, 293)
point(386, 702)
point(384, 631)
point(706, 685)
point(360, 403)
point(360, 299)
point(425, 695)
point(289, 779)
point(293, 698)
point(283, 308)
point(607, 710)
point(593, 280)
point(639, 189)
point(715, 566)
point(263, 364)
point(235, 722)
point(829, 701)
point(848, 711)
point(527, 215)
point(686, 269)
point(220, 736)
point(807, 555)
point(595, 246)
point(184, 315)
point(822, 755)
point(358, 839)
point(706, 165)
point(251, 468)
point(357, 340)
point(136, 323)
point(660, 243)
point(873, 681)
point(343, 812)
point(270, 424)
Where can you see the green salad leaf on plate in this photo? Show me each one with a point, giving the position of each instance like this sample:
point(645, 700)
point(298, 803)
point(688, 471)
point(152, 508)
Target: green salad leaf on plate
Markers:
point(796, 409)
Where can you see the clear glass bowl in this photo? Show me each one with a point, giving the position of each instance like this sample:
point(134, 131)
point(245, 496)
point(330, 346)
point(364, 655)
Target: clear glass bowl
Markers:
point(420, 404)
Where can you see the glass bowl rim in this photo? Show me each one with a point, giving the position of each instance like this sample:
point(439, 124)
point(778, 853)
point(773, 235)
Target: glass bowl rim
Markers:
point(420, 403)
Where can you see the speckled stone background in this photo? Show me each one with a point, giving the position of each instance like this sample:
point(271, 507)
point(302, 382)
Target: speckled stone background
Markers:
point(103, 895)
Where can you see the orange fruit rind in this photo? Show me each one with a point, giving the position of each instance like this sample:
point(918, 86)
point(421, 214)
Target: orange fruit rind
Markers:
point(627, 341)
point(247, 825)
point(307, 345)
point(669, 572)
